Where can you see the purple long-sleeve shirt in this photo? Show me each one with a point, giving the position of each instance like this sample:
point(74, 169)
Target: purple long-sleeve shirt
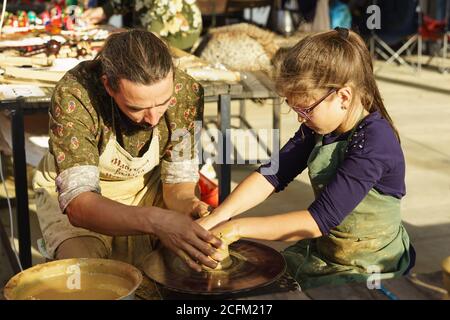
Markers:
point(374, 159)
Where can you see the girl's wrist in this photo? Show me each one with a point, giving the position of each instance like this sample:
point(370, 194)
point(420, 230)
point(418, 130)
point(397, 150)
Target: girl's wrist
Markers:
point(223, 215)
point(237, 228)
point(229, 232)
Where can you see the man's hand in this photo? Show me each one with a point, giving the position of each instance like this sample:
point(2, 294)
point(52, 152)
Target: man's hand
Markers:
point(94, 15)
point(186, 238)
point(199, 209)
point(184, 197)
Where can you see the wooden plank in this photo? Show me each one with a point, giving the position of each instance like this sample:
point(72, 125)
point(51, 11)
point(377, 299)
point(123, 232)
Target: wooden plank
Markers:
point(404, 290)
point(220, 87)
point(413, 287)
point(211, 98)
point(6, 80)
point(208, 88)
point(34, 74)
point(6, 60)
point(250, 87)
point(235, 88)
point(350, 291)
point(417, 286)
point(214, 88)
point(290, 295)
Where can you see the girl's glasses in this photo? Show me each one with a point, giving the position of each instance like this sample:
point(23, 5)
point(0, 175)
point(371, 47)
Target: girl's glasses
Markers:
point(304, 112)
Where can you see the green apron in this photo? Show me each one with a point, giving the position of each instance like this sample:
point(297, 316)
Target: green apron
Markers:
point(370, 239)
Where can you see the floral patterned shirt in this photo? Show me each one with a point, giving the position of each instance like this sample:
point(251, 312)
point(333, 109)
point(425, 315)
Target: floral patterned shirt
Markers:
point(81, 125)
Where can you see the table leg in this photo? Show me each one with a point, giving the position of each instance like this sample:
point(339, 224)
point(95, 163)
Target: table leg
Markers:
point(21, 186)
point(224, 114)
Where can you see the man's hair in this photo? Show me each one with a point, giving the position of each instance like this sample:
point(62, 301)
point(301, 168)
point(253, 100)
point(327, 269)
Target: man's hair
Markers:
point(135, 55)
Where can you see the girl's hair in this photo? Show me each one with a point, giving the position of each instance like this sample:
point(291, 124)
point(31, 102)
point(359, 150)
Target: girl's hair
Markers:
point(135, 55)
point(331, 59)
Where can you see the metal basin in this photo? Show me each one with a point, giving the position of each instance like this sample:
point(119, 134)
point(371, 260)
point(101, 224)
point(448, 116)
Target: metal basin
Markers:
point(75, 279)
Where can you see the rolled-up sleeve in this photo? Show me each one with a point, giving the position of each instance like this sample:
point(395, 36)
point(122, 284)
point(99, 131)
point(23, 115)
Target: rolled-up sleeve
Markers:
point(292, 159)
point(72, 182)
point(73, 141)
point(178, 172)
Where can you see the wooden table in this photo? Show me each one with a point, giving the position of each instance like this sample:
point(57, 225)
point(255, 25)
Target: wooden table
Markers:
point(254, 85)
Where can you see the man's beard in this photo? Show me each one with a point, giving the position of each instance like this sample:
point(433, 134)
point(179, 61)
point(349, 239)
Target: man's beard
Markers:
point(144, 125)
point(133, 125)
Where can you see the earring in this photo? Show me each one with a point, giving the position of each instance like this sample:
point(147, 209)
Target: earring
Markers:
point(343, 107)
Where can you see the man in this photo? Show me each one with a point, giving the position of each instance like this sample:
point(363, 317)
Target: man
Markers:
point(112, 158)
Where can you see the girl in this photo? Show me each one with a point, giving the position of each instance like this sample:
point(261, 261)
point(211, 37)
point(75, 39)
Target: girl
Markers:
point(355, 163)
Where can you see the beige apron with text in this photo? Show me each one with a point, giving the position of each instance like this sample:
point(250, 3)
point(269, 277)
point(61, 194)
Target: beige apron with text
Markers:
point(133, 181)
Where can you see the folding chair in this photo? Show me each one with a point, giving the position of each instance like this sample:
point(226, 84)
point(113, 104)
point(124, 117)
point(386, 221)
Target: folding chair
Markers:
point(437, 31)
point(395, 29)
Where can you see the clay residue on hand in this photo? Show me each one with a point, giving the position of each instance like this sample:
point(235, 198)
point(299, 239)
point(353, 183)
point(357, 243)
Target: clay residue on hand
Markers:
point(225, 259)
point(223, 254)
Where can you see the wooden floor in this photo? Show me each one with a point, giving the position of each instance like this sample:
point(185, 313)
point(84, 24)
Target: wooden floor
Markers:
point(414, 287)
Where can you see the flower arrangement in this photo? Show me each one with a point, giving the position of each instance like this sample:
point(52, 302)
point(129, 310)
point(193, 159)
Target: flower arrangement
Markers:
point(179, 21)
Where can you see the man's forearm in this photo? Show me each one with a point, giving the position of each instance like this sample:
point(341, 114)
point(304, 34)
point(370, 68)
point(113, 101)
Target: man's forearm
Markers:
point(94, 212)
point(180, 196)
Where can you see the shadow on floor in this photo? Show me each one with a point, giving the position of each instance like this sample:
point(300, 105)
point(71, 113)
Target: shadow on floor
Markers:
point(420, 86)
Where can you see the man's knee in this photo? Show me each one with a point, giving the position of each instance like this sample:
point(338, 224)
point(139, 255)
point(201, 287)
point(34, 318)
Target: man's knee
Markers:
point(82, 247)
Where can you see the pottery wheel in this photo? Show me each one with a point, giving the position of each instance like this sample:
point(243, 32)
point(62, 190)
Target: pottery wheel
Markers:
point(253, 265)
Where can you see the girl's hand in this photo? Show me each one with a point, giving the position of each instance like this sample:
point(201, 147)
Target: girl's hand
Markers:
point(212, 220)
point(227, 232)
